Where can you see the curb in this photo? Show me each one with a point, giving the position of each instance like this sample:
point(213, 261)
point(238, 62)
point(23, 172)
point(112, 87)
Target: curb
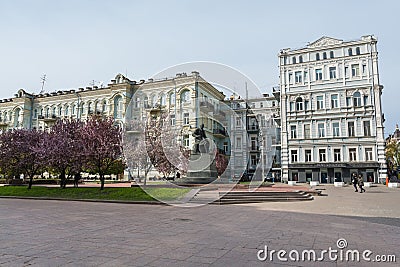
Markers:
point(88, 200)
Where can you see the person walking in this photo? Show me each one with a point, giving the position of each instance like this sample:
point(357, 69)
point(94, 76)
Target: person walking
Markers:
point(361, 183)
point(354, 180)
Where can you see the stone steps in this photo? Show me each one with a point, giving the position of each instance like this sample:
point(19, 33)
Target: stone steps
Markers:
point(235, 197)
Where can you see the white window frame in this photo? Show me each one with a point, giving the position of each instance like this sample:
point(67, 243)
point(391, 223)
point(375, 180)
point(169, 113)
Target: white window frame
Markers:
point(305, 155)
point(320, 104)
point(369, 154)
point(292, 155)
point(352, 159)
point(335, 102)
point(336, 133)
point(320, 154)
point(293, 131)
point(319, 130)
point(334, 155)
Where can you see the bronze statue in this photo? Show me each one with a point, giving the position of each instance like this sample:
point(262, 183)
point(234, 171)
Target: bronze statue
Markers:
point(199, 134)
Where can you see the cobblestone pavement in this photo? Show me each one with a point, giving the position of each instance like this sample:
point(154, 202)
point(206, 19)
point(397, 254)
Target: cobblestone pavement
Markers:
point(59, 233)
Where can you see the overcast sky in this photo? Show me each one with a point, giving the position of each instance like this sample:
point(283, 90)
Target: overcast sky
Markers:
point(75, 42)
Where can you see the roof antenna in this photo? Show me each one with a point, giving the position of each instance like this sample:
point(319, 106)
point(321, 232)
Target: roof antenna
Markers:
point(43, 79)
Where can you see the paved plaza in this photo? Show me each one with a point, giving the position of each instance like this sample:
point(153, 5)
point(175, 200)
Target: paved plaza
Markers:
point(61, 233)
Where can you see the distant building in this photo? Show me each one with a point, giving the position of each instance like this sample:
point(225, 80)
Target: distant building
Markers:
point(332, 121)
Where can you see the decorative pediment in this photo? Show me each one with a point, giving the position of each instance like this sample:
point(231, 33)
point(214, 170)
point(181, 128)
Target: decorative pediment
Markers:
point(324, 41)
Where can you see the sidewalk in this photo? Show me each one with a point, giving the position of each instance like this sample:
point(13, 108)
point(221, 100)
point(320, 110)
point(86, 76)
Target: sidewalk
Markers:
point(378, 201)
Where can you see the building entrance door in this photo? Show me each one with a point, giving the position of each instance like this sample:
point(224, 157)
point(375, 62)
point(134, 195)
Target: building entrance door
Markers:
point(324, 176)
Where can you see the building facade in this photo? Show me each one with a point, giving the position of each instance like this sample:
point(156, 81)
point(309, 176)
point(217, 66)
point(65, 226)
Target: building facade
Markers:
point(332, 121)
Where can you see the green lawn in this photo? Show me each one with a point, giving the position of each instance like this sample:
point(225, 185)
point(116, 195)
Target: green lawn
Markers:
point(125, 194)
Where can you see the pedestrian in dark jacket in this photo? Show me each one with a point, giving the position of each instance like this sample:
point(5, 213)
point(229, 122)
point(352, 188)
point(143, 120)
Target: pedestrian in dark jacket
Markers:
point(361, 183)
point(354, 180)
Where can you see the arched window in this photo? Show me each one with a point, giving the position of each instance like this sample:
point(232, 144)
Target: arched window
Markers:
point(54, 113)
point(0, 117)
point(118, 107)
point(358, 51)
point(299, 104)
point(350, 52)
point(73, 107)
point(60, 111)
point(300, 59)
point(47, 112)
point(104, 106)
point(66, 110)
point(5, 116)
point(357, 99)
point(35, 114)
point(317, 56)
point(16, 117)
point(82, 109)
point(324, 55)
point(172, 99)
point(90, 107)
point(163, 100)
point(185, 97)
point(294, 60)
point(154, 100)
point(146, 102)
point(331, 54)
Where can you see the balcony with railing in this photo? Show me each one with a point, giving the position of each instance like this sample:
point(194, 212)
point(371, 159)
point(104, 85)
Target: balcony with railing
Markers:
point(221, 133)
point(206, 105)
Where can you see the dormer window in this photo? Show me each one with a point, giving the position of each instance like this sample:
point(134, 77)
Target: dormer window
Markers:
point(350, 51)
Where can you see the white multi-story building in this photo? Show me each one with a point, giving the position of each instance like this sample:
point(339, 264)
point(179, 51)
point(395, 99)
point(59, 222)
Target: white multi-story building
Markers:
point(332, 121)
point(188, 99)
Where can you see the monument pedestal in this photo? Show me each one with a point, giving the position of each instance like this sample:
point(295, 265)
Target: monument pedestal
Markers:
point(201, 169)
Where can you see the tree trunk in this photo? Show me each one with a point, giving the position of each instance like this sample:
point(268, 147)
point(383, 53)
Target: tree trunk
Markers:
point(30, 182)
point(102, 181)
point(63, 181)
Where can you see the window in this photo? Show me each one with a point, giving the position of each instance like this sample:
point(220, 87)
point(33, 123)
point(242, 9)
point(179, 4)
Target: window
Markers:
point(352, 154)
point(253, 143)
point(163, 100)
point(336, 155)
point(318, 74)
point(154, 101)
point(331, 54)
point(253, 161)
point(185, 118)
point(293, 154)
point(350, 126)
point(324, 55)
point(306, 105)
point(261, 104)
point(322, 155)
point(185, 97)
point(294, 60)
point(299, 104)
point(320, 102)
point(355, 70)
point(293, 132)
point(307, 131)
point(238, 122)
point(348, 101)
point(104, 107)
point(186, 140)
point(66, 111)
point(172, 120)
point(291, 106)
point(54, 111)
point(307, 155)
point(358, 51)
point(72, 109)
point(317, 56)
point(365, 100)
point(350, 52)
point(118, 107)
point(146, 102)
point(336, 130)
point(346, 72)
point(300, 59)
point(226, 147)
point(334, 101)
point(321, 130)
point(357, 99)
point(238, 142)
point(172, 99)
point(368, 154)
point(367, 128)
point(305, 76)
point(290, 77)
point(298, 77)
point(332, 72)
